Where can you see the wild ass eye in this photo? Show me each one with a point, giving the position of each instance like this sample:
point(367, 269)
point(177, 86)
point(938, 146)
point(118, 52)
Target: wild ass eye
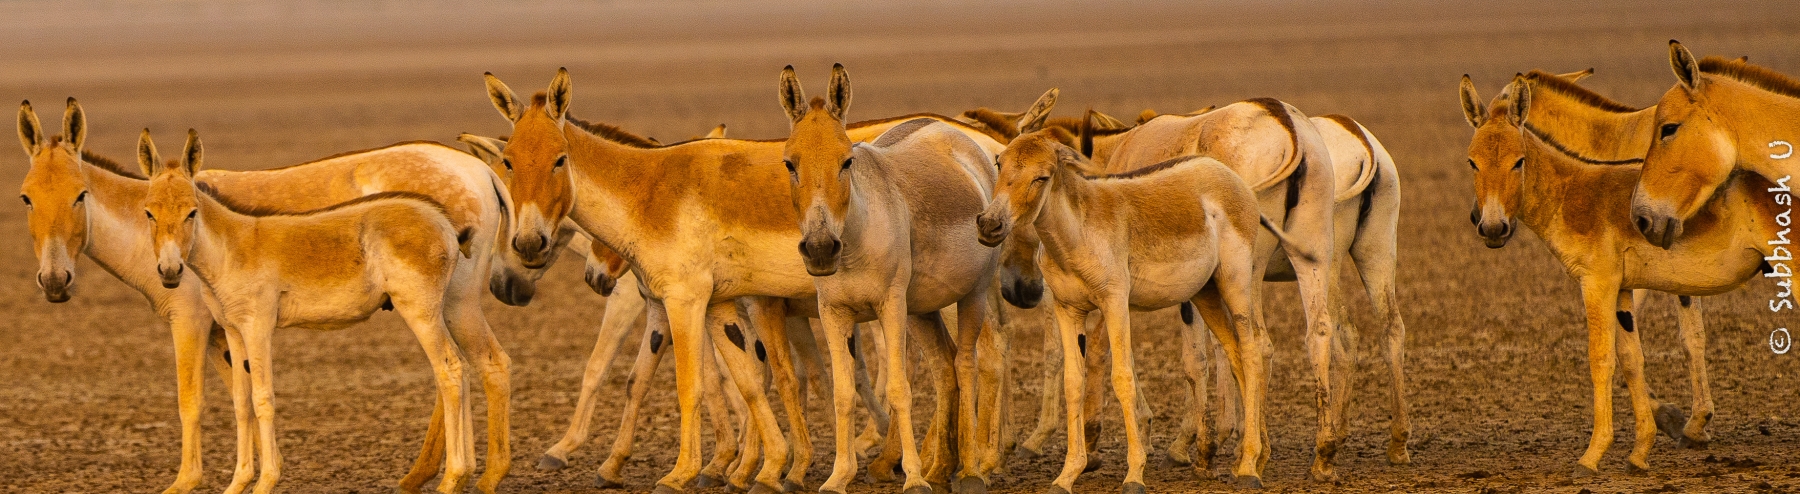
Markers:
point(148, 214)
point(506, 163)
point(790, 165)
point(80, 197)
point(1668, 130)
point(1519, 164)
point(1472, 165)
point(192, 214)
point(27, 200)
point(560, 161)
point(846, 165)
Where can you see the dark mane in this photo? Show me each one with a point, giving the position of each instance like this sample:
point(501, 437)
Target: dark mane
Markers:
point(997, 125)
point(1139, 172)
point(265, 211)
point(360, 151)
point(111, 166)
point(1761, 77)
point(1560, 148)
point(614, 133)
point(1541, 80)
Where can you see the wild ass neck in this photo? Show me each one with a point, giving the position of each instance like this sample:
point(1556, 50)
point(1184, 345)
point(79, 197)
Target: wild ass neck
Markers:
point(1756, 119)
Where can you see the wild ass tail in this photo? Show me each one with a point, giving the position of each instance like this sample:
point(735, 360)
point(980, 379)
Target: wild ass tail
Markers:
point(463, 238)
point(1293, 249)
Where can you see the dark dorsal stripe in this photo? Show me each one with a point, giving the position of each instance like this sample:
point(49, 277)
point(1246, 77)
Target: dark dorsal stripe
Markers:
point(1275, 108)
point(267, 211)
point(997, 125)
point(1541, 137)
point(1754, 75)
point(901, 132)
point(1355, 129)
point(1142, 171)
point(360, 151)
point(1545, 81)
point(110, 166)
point(613, 133)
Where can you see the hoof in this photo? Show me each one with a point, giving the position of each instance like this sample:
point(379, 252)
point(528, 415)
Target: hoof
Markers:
point(969, 485)
point(791, 486)
point(704, 481)
point(828, 490)
point(1056, 489)
point(1582, 472)
point(606, 483)
point(1324, 476)
point(1636, 471)
point(1026, 452)
point(1132, 488)
point(917, 489)
point(551, 463)
point(1399, 457)
point(1177, 459)
point(663, 489)
point(1670, 420)
point(1691, 443)
point(1249, 482)
point(761, 488)
point(882, 474)
point(1092, 465)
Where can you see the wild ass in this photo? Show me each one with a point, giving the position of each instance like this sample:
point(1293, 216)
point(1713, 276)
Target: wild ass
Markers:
point(1560, 150)
point(888, 231)
point(325, 269)
point(1722, 116)
point(1178, 232)
point(80, 203)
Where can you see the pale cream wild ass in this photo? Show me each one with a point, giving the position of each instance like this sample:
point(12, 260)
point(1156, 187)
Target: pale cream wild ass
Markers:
point(1177, 232)
point(888, 231)
point(326, 269)
point(106, 224)
point(1572, 187)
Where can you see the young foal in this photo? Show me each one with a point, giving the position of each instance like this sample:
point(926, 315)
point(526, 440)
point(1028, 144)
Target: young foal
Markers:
point(888, 232)
point(1579, 205)
point(1177, 232)
point(325, 269)
point(112, 231)
point(1722, 116)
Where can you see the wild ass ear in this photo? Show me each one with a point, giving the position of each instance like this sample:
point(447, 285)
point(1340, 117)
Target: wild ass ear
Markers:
point(147, 157)
point(1033, 119)
point(1521, 100)
point(1743, 59)
point(557, 103)
point(1146, 115)
point(716, 132)
point(1473, 110)
point(503, 98)
point(793, 97)
point(75, 126)
point(1576, 76)
point(487, 148)
point(837, 95)
point(1687, 70)
point(1105, 122)
point(190, 154)
point(31, 135)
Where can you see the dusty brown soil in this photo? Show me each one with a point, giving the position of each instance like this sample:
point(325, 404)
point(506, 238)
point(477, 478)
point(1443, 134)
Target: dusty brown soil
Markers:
point(1497, 347)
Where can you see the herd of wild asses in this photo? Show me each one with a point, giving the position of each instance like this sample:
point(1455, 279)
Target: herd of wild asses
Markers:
point(740, 255)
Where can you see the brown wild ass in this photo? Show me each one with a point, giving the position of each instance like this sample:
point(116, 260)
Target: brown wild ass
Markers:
point(1722, 116)
point(1173, 233)
point(325, 269)
point(114, 234)
point(888, 231)
point(1572, 187)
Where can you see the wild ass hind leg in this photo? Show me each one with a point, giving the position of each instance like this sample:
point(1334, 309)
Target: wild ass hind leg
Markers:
point(996, 388)
point(425, 317)
point(938, 453)
point(725, 438)
point(1690, 431)
point(973, 436)
point(895, 324)
point(248, 441)
point(865, 388)
point(1049, 399)
point(470, 331)
point(1375, 262)
point(623, 310)
point(736, 350)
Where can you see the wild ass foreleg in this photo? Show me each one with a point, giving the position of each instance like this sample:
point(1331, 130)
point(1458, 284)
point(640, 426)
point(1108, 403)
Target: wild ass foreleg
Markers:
point(837, 324)
point(1070, 321)
point(1600, 295)
point(192, 332)
point(769, 319)
point(1689, 431)
point(1124, 384)
point(623, 309)
point(1631, 355)
point(687, 319)
point(651, 348)
point(1195, 433)
point(865, 387)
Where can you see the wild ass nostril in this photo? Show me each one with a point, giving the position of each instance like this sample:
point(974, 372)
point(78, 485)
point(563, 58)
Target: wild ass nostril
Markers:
point(1475, 216)
point(1643, 225)
point(836, 247)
